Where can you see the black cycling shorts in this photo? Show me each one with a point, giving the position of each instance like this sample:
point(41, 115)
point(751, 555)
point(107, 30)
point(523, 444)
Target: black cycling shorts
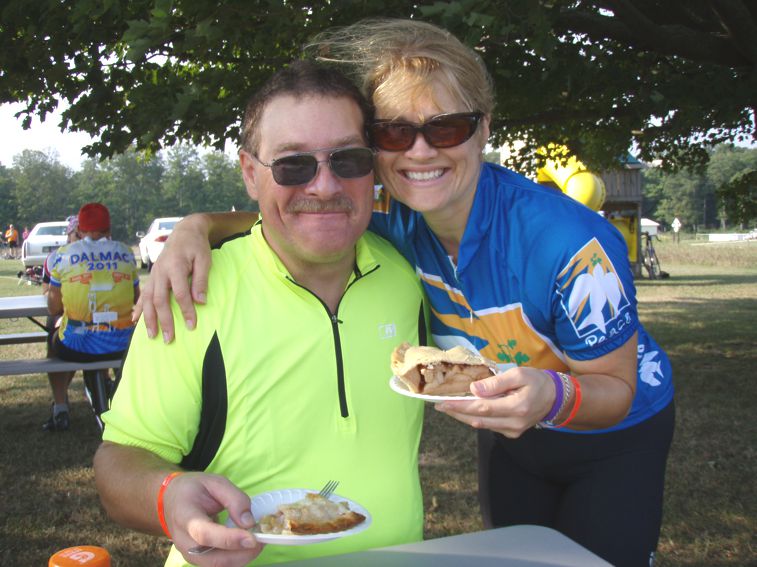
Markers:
point(604, 491)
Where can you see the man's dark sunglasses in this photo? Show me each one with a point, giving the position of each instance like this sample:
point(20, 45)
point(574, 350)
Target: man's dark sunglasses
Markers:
point(299, 169)
point(440, 131)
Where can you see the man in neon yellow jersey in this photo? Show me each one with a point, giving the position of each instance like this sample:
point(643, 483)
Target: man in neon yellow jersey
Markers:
point(284, 381)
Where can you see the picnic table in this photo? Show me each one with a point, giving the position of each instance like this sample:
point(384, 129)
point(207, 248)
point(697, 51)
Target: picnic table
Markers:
point(98, 386)
point(514, 546)
point(28, 306)
point(23, 306)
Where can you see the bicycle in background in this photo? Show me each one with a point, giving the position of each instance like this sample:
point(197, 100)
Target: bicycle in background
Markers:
point(649, 258)
point(30, 276)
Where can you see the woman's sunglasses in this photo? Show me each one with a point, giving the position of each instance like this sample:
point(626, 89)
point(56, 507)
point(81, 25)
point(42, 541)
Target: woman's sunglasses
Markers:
point(441, 131)
point(299, 169)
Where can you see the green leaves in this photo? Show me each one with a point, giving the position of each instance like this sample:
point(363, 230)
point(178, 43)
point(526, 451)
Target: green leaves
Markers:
point(136, 187)
point(153, 72)
point(723, 193)
point(738, 197)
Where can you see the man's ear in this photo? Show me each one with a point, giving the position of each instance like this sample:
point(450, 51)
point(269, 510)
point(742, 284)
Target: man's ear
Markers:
point(249, 173)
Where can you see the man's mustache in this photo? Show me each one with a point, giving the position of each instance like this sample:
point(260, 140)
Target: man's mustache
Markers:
point(340, 204)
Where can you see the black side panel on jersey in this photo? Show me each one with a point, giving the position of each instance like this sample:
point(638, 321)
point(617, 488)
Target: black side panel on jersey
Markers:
point(214, 409)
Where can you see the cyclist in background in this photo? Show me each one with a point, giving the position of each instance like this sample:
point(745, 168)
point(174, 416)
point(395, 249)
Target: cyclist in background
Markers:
point(11, 237)
point(93, 285)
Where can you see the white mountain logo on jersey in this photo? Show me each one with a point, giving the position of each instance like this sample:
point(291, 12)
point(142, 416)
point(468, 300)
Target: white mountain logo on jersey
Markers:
point(593, 294)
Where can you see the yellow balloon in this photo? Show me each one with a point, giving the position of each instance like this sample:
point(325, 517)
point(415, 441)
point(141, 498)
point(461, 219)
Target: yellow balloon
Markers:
point(573, 179)
point(586, 188)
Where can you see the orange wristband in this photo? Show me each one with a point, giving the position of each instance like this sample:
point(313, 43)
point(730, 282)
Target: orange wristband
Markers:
point(576, 403)
point(161, 512)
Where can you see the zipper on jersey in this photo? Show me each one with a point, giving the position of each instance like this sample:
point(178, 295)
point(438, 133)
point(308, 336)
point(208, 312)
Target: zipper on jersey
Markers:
point(335, 322)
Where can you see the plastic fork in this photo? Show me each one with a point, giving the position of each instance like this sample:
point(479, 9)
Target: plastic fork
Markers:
point(327, 490)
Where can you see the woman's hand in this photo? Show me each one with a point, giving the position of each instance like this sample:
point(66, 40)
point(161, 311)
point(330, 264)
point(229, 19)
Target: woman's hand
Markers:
point(186, 253)
point(519, 398)
point(509, 403)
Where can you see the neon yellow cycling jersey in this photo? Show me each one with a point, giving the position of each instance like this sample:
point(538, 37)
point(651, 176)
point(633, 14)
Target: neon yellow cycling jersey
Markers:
point(301, 394)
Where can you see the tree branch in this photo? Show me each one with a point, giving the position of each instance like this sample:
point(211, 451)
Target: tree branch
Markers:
point(740, 25)
point(561, 116)
point(633, 28)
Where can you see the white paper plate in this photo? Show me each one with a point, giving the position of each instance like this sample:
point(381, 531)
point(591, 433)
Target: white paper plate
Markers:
point(399, 386)
point(269, 502)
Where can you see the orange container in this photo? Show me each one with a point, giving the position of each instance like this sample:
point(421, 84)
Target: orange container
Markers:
point(81, 555)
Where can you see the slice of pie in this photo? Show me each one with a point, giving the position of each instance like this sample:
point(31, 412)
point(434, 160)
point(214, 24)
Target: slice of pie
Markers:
point(314, 514)
point(429, 370)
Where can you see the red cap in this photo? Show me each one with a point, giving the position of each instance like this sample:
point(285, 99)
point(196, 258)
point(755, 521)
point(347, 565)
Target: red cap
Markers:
point(94, 217)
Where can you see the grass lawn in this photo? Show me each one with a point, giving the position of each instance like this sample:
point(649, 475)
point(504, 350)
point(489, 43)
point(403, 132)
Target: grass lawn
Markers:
point(704, 315)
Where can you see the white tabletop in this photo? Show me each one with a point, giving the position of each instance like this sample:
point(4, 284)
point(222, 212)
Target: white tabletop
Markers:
point(516, 546)
point(23, 306)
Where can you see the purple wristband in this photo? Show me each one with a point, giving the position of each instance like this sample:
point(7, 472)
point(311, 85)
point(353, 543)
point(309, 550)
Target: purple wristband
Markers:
point(558, 396)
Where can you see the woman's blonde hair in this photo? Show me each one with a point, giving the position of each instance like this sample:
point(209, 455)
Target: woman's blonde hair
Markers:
point(397, 60)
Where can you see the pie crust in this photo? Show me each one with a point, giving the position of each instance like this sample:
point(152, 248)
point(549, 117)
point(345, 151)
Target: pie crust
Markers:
point(313, 514)
point(432, 371)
